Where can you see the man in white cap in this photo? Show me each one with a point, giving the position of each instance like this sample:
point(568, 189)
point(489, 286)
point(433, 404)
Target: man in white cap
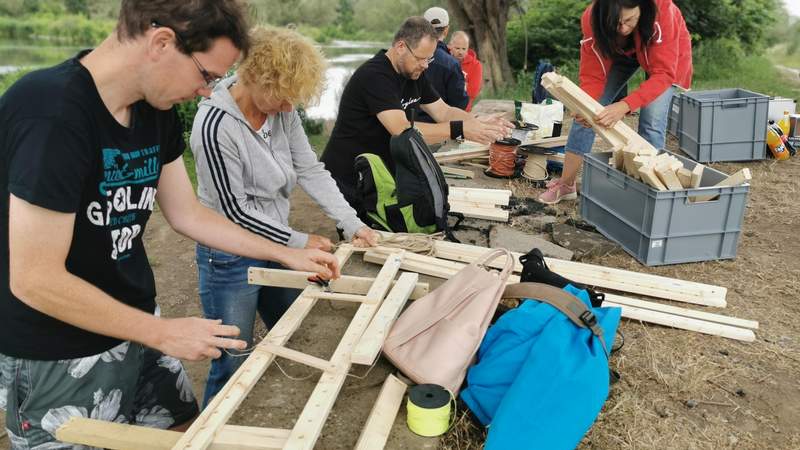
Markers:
point(444, 72)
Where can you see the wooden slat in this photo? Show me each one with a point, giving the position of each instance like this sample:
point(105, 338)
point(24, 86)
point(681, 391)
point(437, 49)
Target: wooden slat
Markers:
point(309, 425)
point(476, 212)
point(549, 142)
point(369, 346)
point(459, 155)
point(604, 277)
point(213, 418)
point(677, 311)
point(294, 355)
point(487, 196)
point(299, 280)
point(684, 323)
point(630, 312)
point(381, 418)
point(620, 135)
point(457, 172)
point(102, 434)
point(741, 177)
point(338, 296)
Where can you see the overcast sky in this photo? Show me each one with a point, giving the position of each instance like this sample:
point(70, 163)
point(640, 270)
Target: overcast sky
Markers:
point(793, 6)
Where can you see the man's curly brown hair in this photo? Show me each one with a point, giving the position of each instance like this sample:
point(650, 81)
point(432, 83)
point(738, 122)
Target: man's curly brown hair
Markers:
point(283, 64)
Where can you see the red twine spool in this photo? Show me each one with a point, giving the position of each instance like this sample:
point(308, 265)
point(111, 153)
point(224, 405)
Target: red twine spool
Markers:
point(502, 159)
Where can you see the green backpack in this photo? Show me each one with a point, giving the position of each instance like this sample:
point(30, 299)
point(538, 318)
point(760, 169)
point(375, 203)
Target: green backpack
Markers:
point(414, 199)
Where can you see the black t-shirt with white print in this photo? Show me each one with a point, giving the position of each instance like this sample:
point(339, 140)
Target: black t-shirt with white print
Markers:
point(61, 149)
point(373, 88)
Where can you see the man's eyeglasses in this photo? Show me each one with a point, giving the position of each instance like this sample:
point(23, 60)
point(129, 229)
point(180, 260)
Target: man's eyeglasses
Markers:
point(211, 81)
point(427, 61)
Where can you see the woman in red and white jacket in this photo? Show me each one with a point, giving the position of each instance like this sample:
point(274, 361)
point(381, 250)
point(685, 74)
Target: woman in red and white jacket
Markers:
point(619, 37)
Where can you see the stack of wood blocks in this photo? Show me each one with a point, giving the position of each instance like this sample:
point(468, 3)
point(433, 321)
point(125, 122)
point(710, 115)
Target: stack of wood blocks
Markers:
point(631, 153)
point(480, 203)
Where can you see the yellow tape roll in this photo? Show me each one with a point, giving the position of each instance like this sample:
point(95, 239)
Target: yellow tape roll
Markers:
point(429, 410)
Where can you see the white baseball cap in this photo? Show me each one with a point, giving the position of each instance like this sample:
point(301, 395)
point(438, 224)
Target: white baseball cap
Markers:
point(438, 17)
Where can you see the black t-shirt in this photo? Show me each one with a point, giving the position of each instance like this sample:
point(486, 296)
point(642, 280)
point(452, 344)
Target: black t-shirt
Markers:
point(374, 87)
point(61, 149)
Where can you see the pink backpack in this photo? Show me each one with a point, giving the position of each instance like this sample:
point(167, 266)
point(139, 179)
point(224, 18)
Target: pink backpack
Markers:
point(436, 337)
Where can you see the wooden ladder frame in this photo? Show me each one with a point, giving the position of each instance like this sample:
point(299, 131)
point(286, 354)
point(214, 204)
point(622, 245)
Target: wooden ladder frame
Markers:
point(380, 298)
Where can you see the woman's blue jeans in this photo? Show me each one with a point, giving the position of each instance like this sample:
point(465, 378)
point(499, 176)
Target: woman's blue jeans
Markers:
point(652, 117)
point(226, 295)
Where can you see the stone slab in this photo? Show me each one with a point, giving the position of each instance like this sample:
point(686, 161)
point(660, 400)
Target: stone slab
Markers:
point(502, 236)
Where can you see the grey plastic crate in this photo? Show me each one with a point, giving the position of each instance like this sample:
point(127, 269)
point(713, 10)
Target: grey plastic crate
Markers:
point(662, 227)
point(674, 117)
point(723, 125)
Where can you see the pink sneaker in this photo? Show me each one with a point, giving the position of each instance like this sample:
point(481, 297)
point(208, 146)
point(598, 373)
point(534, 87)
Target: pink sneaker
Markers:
point(553, 182)
point(558, 192)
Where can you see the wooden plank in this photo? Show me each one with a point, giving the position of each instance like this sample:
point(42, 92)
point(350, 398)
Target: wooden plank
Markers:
point(628, 156)
point(488, 196)
point(294, 355)
point(593, 275)
point(684, 323)
point(370, 343)
point(741, 177)
point(697, 175)
point(684, 312)
point(414, 263)
point(111, 435)
point(581, 103)
point(649, 176)
point(298, 280)
point(309, 425)
point(207, 425)
point(381, 418)
point(685, 177)
point(338, 296)
point(459, 155)
point(549, 142)
point(458, 172)
point(424, 265)
point(603, 277)
point(667, 176)
point(468, 210)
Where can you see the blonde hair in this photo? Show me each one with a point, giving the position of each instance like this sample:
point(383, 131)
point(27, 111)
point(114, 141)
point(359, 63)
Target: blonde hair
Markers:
point(283, 64)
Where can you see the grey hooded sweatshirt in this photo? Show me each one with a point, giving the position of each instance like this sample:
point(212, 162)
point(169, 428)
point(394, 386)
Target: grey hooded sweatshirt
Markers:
point(247, 175)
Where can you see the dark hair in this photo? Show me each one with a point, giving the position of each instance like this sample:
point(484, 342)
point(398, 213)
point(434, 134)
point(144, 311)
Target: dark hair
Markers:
point(197, 23)
point(605, 23)
point(413, 30)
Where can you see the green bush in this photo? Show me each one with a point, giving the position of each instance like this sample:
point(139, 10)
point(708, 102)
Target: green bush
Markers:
point(751, 22)
point(554, 33)
point(716, 58)
point(62, 29)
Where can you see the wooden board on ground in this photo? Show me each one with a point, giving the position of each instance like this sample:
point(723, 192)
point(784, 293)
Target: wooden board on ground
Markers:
point(111, 435)
point(432, 266)
point(603, 277)
point(381, 418)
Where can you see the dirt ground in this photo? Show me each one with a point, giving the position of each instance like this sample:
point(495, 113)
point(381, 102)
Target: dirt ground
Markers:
point(679, 389)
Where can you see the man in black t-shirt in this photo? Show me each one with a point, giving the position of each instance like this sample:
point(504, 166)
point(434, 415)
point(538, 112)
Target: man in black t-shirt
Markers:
point(378, 101)
point(86, 149)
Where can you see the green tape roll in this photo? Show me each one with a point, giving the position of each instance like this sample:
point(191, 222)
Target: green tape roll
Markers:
point(429, 410)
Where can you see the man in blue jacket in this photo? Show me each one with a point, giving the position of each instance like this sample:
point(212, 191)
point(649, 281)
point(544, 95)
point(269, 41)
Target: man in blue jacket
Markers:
point(444, 72)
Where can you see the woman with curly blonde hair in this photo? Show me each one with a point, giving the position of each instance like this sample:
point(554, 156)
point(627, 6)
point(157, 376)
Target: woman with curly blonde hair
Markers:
point(250, 152)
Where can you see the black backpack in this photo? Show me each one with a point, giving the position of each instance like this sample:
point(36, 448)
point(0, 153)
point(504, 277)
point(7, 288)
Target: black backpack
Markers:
point(414, 199)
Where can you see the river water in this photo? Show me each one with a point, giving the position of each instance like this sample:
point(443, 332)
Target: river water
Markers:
point(343, 58)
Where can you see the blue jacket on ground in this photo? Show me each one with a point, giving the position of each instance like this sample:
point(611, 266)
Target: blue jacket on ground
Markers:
point(540, 380)
point(447, 79)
